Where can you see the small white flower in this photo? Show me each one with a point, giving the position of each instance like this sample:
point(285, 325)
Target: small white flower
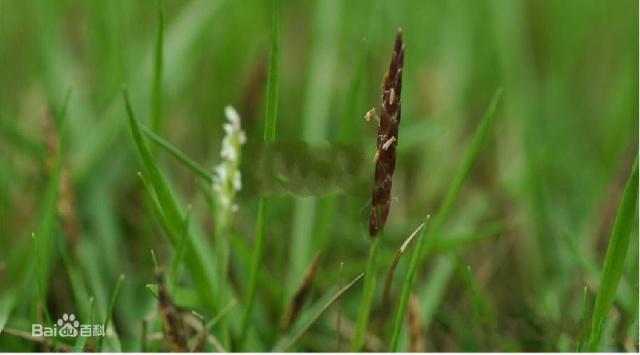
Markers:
point(227, 179)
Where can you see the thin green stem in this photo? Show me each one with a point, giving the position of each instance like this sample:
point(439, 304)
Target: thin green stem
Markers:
point(222, 245)
point(112, 304)
point(274, 74)
point(156, 92)
point(367, 295)
point(406, 289)
point(256, 256)
point(269, 137)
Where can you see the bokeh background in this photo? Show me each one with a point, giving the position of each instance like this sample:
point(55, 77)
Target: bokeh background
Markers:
point(527, 234)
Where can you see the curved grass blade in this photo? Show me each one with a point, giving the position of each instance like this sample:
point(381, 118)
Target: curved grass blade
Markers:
point(425, 247)
point(199, 261)
point(311, 316)
point(394, 264)
point(81, 341)
point(471, 155)
point(406, 287)
point(615, 257)
point(112, 303)
point(177, 154)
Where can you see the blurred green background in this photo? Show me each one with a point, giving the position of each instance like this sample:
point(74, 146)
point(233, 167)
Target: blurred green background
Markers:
point(528, 232)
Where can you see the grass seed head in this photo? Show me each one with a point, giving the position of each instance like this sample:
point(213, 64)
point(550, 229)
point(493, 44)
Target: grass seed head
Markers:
point(387, 139)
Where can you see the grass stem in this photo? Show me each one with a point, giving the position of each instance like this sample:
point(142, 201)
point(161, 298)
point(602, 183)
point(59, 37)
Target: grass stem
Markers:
point(367, 295)
point(156, 91)
point(269, 137)
point(406, 289)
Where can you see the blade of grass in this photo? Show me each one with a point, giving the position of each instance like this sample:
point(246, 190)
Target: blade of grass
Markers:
point(176, 262)
point(154, 259)
point(471, 155)
point(614, 259)
point(112, 303)
point(368, 290)
point(198, 256)
point(181, 36)
point(269, 137)
point(43, 238)
point(455, 242)
point(256, 257)
point(78, 285)
point(406, 287)
point(156, 91)
point(426, 248)
point(311, 316)
point(180, 156)
point(7, 302)
point(339, 309)
point(210, 324)
point(386, 294)
point(585, 322)
point(301, 294)
point(81, 341)
point(305, 236)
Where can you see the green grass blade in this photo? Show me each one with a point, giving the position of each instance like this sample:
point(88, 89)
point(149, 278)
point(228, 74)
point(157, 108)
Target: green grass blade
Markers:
point(406, 288)
point(160, 187)
point(7, 302)
point(269, 136)
point(80, 340)
point(176, 262)
point(450, 243)
point(78, 285)
point(256, 256)
point(308, 318)
point(305, 235)
point(177, 154)
point(471, 155)
point(112, 304)
point(367, 295)
point(180, 38)
point(156, 91)
point(443, 270)
point(223, 312)
point(273, 78)
point(615, 257)
point(43, 237)
point(198, 256)
point(585, 322)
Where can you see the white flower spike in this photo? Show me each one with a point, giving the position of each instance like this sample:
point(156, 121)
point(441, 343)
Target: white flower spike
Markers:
point(227, 178)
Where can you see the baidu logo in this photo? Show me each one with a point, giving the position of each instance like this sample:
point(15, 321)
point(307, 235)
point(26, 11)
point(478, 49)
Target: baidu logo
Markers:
point(67, 326)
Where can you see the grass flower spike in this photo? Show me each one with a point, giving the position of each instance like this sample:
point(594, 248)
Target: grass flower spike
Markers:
point(385, 164)
point(227, 180)
point(387, 139)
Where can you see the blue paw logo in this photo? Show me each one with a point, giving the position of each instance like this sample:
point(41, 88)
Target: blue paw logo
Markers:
point(68, 325)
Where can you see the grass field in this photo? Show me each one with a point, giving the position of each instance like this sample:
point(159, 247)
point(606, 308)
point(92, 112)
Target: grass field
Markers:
point(198, 175)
